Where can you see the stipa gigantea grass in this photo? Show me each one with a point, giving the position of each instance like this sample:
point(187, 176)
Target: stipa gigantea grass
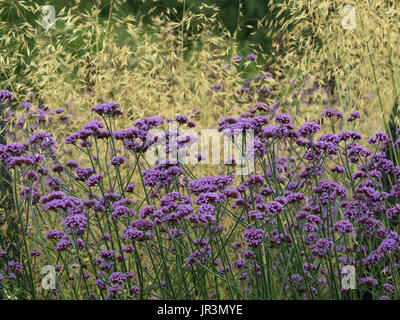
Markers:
point(164, 68)
point(360, 64)
point(148, 69)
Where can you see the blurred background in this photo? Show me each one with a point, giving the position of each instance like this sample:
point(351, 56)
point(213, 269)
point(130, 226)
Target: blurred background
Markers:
point(238, 16)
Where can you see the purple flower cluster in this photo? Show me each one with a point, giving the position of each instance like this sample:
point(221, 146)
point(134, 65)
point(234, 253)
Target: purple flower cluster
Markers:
point(108, 109)
point(76, 223)
point(6, 95)
point(117, 161)
point(162, 175)
point(315, 202)
point(253, 237)
point(90, 129)
point(94, 179)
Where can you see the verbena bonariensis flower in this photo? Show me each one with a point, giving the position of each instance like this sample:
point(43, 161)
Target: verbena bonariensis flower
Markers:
point(63, 244)
point(162, 175)
point(368, 281)
point(13, 149)
point(354, 115)
point(210, 184)
point(94, 179)
point(44, 139)
point(343, 226)
point(321, 247)
point(253, 236)
point(309, 128)
point(108, 109)
point(331, 112)
point(120, 211)
point(117, 161)
point(198, 257)
point(144, 125)
point(83, 173)
point(6, 95)
point(252, 57)
point(76, 223)
point(36, 253)
point(117, 277)
point(286, 212)
point(237, 58)
point(329, 191)
point(234, 125)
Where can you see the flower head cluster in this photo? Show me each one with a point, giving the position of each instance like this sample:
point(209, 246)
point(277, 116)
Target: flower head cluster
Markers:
point(108, 109)
point(253, 237)
point(6, 95)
